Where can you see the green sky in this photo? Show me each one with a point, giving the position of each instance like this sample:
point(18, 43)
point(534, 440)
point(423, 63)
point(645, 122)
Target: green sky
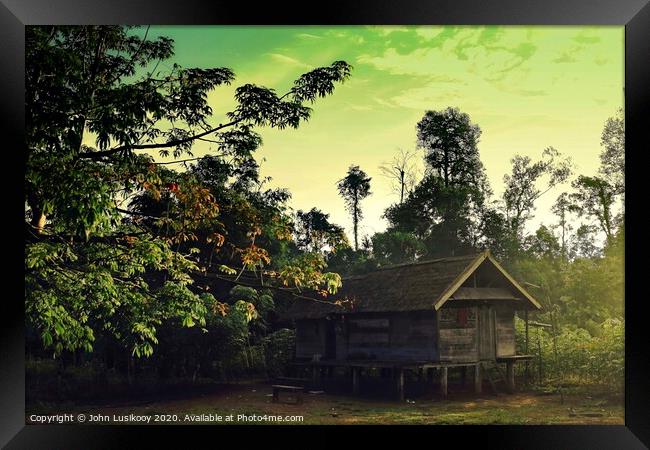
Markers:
point(526, 87)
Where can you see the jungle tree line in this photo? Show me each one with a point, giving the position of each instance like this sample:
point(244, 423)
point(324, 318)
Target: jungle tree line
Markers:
point(451, 210)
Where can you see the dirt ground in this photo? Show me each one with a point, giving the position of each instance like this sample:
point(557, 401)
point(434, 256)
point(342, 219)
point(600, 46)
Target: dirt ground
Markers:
point(239, 400)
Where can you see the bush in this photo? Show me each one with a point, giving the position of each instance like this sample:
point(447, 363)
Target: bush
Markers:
point(279, 349)
point(581, 357)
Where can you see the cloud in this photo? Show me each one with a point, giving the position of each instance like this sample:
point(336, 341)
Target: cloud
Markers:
point(352, 107)
point(308, 36)
point(571, 54)
point(490, 53)
point(288, 60)
point(530, 92)
point(385, 103)
point(565, 57)
point(386, 30)
point(584, 38)
point(429, 33)
point(426, 97)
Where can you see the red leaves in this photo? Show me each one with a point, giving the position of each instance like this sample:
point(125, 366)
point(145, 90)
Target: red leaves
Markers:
point(219, 308)
point(253, 256)
point(217, 238)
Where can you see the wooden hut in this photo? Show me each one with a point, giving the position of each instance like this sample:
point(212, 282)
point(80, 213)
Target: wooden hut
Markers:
point(448, 312)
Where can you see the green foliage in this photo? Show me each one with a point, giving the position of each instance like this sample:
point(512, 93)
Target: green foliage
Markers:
point(314, 232)
point(394, 247)
point(584, 357)
point(594, 198)
point(543, 244)
point(352, 262)
point(523, 188)
point(450, 141)
point(442, 216)
point(612, 157)
point(582, 290)
point(115, 241)
point(279, 349)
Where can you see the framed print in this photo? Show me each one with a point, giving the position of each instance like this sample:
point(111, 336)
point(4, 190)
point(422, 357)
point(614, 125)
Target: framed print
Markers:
point(412, 215)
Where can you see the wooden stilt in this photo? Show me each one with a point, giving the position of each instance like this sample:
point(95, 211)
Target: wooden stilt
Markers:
point(355, 380)
point(400, 384)
point(463, 375)
point(478, 379)
point(526, 346)
point(510, 376)
point(443, 382)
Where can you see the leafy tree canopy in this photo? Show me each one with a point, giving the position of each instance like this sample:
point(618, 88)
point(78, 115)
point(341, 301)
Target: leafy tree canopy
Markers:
point(115, 240)
point(315, 232)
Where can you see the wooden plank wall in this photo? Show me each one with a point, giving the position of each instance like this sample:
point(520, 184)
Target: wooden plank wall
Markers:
point(486, 333)
point(310, 338)
point(505, 326)
point(341, 332)
point(394, 336)
point(458, 333)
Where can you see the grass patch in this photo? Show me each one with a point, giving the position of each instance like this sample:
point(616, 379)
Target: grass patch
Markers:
point(463, 408)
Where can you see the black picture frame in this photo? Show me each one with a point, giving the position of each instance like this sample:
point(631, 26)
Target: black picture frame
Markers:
point(633, 14)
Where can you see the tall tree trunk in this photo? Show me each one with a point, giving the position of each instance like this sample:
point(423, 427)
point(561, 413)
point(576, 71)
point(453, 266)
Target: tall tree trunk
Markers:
point(355, 222)
point(38, 220)
point(446, 165)
point(563, 235)
point(38, 216)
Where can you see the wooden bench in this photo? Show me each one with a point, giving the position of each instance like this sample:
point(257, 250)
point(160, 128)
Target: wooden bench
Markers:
point(297, 390)
point(291, 381)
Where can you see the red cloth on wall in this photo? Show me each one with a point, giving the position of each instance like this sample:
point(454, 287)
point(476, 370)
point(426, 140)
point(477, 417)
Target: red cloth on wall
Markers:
point(461, 316)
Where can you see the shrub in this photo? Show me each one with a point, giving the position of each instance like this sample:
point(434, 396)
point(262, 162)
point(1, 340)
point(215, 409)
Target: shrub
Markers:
point(279, 349)
point(582, 358)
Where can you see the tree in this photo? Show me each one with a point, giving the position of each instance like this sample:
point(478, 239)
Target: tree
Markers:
point(612, 157)
point(543, 243)
point(401, 172)
point(443, 209)
point(354, 188)
point(594, 198)
point(494, 234)
point(92, 266)
point(440, 216)
point(583, 242)
point(450, 141)
point(522, 186)
point(394, 247)
point(316, 234)
point(562, 207)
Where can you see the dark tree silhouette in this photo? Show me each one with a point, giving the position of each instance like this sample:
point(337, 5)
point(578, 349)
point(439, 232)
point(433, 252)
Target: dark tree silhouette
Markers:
point(315, 233)
point(612, 157)
point(354, 188)
point(450, 140)
point(401, 172)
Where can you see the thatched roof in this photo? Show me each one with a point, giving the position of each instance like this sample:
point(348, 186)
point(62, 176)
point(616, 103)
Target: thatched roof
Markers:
point(418, 286)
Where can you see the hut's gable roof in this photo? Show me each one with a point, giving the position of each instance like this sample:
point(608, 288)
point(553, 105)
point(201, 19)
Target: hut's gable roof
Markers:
point(416, 286)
